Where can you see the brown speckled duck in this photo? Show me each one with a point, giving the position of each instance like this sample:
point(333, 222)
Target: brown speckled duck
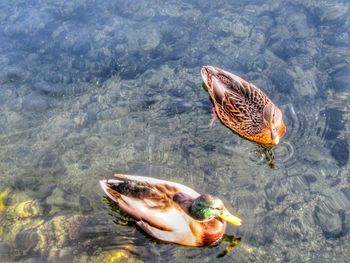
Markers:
point(243, 107)
point(169, 211)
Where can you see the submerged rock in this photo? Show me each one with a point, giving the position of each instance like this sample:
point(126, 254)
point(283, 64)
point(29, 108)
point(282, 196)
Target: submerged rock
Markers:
point(26, 241)
point(298, 25)
point(340, 152)
point(283, 81)
point(331, 222)
point(346, 192)
point(330, 11)
point(341, 79)
point(51, 163)
point(30, 208)
point(334, 119)
point(334, 123)
point(35, 103)
point(85, 206)
point(13, 74)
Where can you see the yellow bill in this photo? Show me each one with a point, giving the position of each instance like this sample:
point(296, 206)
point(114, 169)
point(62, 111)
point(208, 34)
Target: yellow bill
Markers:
point(227, 216)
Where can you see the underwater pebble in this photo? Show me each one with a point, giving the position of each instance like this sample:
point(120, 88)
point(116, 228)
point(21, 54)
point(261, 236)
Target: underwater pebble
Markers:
point(26, 241)
point(310, 178)
point(258, 65)
point(266, 236)
point(131, 11)
point(34, 20)
point(5, 252)
point(51, 162)
point(149, 40)
point(334, 123)
point(35, 103)
point(176, 108)
point(338, 201)
point(305, 61)
point(341, 79)
point(85, 205)
point(27, 209)
point(297, 24)
point(333, 60)
point(129, 68)
point(13, 74)
point(282, 80)
point(49, 88)
point(245, 59)
point(295, 229)
point(266, 22)
point(305, 83)
point(340, 152)
point(258, 37)
point(337, 36)
point(275, 192)
point(90, 118)
point(249, 202)
point(330, 10)
point(333, 180)
point(57, 198)
point(329, 134)
point(240, 28)
point(26, 182)
point(346, 192)
point(330, 221)
point(7, 95)
point(290, 48)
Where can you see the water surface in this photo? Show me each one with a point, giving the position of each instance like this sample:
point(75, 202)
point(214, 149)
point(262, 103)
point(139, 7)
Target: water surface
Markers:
point(89, 88)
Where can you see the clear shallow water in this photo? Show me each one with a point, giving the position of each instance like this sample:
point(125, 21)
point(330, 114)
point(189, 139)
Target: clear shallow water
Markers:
point(90, 88)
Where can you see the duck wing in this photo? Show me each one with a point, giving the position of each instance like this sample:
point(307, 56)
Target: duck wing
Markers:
point(149, 200)
point(241, 101)
point(162, 185)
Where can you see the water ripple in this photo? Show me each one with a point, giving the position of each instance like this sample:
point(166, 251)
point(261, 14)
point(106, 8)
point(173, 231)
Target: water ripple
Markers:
point(282, 153)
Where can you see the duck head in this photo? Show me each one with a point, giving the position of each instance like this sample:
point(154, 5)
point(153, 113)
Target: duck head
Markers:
point(206, 207)
point(273, 120)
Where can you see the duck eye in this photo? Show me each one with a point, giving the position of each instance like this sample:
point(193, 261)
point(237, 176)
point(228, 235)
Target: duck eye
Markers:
point(274, 115)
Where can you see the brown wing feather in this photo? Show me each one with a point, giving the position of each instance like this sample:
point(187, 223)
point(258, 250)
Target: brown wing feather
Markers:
point(240, 106)
point(153, 196)
point(173, 187)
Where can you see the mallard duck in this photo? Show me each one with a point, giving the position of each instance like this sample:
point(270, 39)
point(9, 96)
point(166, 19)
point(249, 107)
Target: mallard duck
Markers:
point(170, 211)
point(243, 107)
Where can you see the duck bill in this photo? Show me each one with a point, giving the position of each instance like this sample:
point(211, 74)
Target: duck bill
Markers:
point(227, 216)
point(275, 136)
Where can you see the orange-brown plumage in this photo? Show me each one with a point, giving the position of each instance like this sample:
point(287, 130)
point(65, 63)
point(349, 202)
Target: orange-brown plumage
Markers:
point(164, 209)
point(243, 107)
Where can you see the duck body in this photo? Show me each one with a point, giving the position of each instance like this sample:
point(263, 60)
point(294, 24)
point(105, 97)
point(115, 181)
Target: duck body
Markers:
point(163, 209)
point(243, 107)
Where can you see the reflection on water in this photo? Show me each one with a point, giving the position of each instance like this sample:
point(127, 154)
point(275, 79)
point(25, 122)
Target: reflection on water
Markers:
point(232, 242)
point(90, 88)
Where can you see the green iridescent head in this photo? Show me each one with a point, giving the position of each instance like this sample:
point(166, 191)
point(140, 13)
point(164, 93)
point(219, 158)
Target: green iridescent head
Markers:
point(206, 207)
